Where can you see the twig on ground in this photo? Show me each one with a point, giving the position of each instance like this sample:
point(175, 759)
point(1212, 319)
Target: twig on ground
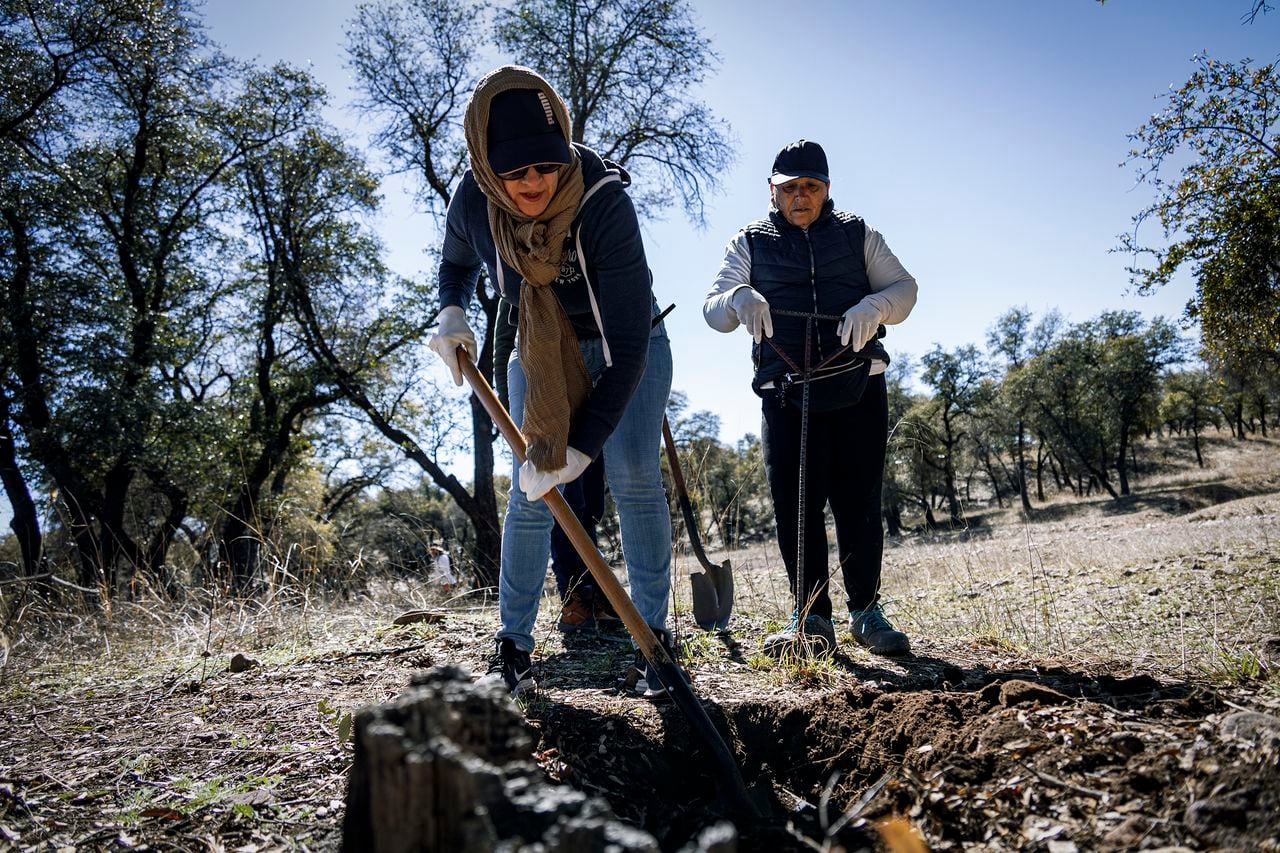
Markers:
point(36, 721)
point(377, 653)
point(1063, 783)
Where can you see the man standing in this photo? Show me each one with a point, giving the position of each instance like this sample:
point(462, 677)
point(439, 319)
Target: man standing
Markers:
point(813, 285)
point(441, 569)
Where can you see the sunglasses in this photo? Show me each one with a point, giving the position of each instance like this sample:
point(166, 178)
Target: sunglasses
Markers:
point(540, 168)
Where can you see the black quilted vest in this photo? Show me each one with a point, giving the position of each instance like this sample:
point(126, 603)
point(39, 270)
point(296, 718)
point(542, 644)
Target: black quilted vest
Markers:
point(819, 271)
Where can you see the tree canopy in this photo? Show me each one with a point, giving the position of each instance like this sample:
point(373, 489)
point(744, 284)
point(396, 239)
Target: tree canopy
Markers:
point(1220, 210)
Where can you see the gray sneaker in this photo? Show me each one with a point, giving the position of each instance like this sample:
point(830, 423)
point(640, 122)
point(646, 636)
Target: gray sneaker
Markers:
point(818, 637)
point(870, 628)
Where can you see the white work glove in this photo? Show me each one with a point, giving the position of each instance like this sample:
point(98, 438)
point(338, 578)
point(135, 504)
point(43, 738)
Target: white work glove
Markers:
point(453, 332)
point(535, 483)
point(858, 325)
point(753, 312)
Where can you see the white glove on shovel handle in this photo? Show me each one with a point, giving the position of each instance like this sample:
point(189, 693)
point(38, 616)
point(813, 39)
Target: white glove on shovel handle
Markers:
point(535, 483)
point(453, 332)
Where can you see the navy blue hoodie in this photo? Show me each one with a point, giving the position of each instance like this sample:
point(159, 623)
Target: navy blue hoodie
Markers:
point(608, 233)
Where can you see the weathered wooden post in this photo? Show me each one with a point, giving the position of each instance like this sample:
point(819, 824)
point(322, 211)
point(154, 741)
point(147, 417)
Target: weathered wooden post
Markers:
point(448, 766)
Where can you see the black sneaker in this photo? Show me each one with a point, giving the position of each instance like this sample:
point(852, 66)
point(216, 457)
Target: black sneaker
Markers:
point(817, 639)
point(511, 668)
point(647, 682)
point(871, 629)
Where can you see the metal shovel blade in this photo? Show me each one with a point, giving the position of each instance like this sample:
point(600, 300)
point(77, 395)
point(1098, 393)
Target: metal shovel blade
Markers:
point(722, 578)
point(713, 586)
point(713, 596)
point(706, 601)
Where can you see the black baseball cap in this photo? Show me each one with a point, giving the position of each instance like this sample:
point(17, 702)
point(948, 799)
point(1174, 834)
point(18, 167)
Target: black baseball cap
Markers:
point(523, 130)
point(800, 159)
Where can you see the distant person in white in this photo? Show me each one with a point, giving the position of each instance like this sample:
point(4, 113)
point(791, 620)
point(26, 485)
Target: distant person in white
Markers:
point(811, 275)
point(442, 569)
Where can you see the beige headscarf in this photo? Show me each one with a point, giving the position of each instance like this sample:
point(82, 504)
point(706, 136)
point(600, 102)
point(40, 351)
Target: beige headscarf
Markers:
point(557, 377)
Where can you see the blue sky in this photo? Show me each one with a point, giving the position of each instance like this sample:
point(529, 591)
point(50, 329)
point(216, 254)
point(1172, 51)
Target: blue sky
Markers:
point(983, 139)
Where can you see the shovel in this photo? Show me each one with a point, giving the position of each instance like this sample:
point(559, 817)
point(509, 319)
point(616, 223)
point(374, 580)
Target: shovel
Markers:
point(728, 776)
point(713, 586)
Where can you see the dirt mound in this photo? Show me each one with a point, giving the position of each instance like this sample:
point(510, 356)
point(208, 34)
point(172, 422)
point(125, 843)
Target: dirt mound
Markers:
point(1081, 760)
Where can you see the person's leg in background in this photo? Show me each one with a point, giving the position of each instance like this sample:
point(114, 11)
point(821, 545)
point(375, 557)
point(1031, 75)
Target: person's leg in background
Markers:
point(583, 606)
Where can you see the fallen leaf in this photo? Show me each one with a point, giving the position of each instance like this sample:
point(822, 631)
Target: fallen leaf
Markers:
point(256, 797)
point(900, 836)
point(411, 616)
point(161, 812)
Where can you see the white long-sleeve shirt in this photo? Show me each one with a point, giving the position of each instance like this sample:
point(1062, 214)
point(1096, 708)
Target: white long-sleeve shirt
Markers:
point(893, 288)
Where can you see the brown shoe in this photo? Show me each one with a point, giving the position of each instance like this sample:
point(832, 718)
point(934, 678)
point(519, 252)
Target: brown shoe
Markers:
point(576, 613)
point(607, 619)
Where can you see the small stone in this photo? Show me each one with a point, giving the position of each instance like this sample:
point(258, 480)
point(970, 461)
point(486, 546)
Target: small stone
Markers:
point(240, 663)
point(1269, 652)
point(1253, 726)
point(1128, 834)
point(1018, 692)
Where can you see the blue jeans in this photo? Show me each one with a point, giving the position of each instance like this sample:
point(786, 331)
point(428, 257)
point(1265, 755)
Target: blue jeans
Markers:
point(632, 468)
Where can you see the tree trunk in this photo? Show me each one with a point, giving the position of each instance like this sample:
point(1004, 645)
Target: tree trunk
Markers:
point(893, 518)
point(949, 482)
point(1022, 467)
point(488, 548)
point(995, 482)
point(25, 523)
point(80, 524)
point(241, 539)
point(1100, 474)
point(1062, 474)
point(1195, 438)
point(157, 551)
point(244, 533)
point(1122, 461)
point(1040, 457)
point(118, 548)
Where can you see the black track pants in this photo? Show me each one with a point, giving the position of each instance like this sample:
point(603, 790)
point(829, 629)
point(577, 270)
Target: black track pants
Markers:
point(846, 450)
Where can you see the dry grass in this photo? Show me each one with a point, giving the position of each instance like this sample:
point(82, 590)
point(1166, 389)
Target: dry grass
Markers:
point(1184, 576)
point(54, 645)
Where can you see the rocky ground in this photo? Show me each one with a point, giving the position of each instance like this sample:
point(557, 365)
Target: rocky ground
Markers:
point(1106, 676)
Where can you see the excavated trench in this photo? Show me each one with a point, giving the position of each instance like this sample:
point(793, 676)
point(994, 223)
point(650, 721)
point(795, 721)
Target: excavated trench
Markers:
point(1018, 758)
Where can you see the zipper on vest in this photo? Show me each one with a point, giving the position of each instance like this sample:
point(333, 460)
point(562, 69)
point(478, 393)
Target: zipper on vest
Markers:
point(813, 289)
